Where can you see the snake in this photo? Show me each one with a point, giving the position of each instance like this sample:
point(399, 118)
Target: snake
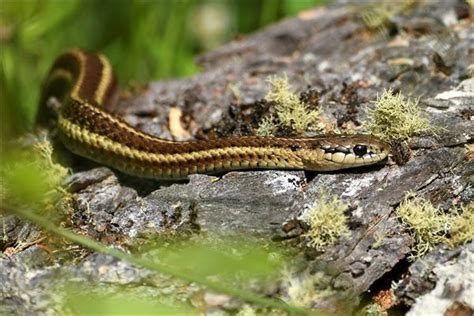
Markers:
point(85, 88)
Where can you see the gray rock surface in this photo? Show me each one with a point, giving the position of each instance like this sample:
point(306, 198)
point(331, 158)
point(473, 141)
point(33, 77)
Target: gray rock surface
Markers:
point(328, 50)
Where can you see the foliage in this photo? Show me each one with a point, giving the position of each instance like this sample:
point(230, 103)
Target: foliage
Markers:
point(179, 271)
point(377, 15)
point(430, 226)
point(291, 112)
point(144, 39)
point(396, 117)
point(462, 228)
point(29, 176)
point(233, 262)
point(327, 221)
point(124, 303)
point(307, 289)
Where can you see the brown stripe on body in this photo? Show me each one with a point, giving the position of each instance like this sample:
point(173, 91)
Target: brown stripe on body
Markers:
point(67, 61)
point(64, 72)
point(102, 123)
point(63, 75)
point(92, 68)
point(169, 169)
point(99, 122)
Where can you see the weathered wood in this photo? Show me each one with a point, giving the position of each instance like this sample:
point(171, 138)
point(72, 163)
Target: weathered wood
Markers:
point(426, 53)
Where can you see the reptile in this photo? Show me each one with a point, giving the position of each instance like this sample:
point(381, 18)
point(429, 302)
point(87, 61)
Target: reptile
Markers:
point(85, 87)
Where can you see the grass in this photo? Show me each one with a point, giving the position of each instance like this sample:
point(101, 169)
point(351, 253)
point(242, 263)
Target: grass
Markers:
point(145, 40)
point(180, 271)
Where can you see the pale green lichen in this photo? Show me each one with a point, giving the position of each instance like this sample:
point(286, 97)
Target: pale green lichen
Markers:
point(373, 309)
point(462, 225)
point(380, 239)
point(430, 226)
point(247, 310)
point(396, 117)
point(377, 15)
point(291, 112)
point(56, 172)
point(267, 126)
point(306, 289)
point(427, 225)
point(327, 221)
point(30, 176)
point(471, 3)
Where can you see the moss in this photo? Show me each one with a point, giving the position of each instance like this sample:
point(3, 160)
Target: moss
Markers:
point(426, 224)
point(267, 126)
point(377, 16)
point(327, 221)
point(462, 228)
point(471, 3)
point(247, 310)
point(373, 310)
point(291, 112)
point(396, 117)
point(30, 177)
point(56, 172)
point(429, 226)
point(380, 239)
point(305, 290)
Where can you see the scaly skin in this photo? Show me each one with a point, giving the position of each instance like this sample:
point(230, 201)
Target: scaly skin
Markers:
point(86, 86)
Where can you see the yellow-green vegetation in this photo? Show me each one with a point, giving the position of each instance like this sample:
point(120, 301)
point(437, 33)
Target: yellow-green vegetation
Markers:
point(291, 112)
point(231, 261)
point(30, 177)
point(377, 15)
point(380, 239)
point(396, 117)
point(430, 226)
point(154, 39)
point(306, 289)
point(31, 181)
point(373, 309)
point(327, 221)
point(471, 3)
point(462, 225)
point(247, 310)
point(179, 269)
point(123, 301)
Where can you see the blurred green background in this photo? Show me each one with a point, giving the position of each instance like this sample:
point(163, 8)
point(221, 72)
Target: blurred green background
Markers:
point(145, 40)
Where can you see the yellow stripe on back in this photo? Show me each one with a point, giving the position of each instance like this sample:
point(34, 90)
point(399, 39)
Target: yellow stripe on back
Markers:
point(105, 80)
point(59, 73)
point(79, 55)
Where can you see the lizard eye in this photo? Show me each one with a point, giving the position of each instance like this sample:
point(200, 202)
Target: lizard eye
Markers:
point(360, 150)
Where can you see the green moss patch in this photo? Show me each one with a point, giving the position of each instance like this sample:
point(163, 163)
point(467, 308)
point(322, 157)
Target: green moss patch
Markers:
point(291, 113)
point(327, 221)
point(396, 117)
point(430, 226)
